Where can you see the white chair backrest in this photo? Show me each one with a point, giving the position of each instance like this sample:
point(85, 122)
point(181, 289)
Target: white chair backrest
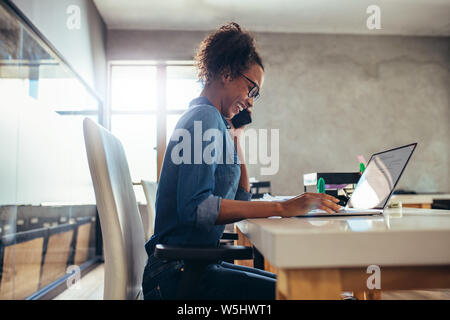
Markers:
point(148, 220)
point(122, 230)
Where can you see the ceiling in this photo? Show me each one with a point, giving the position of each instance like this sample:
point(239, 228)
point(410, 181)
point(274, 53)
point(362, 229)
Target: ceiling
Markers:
point(398, 17)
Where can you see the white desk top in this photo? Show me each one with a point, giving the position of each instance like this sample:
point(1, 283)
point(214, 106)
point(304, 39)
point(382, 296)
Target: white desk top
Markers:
point(399, 237)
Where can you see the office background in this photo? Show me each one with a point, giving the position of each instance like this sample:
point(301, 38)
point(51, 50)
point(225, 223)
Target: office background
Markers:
point(333, 96)
point(332, 93)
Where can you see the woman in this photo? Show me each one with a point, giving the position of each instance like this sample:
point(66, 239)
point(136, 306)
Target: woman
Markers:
point(196, 197)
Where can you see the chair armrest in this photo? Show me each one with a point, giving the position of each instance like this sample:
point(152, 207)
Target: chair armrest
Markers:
point(229, 236)
point(168, 252)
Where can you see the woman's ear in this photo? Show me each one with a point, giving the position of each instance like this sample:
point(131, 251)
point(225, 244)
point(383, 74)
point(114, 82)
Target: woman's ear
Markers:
point(226, 76)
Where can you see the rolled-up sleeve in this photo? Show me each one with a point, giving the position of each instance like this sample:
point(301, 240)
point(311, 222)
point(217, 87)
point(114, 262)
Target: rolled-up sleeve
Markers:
point(196, 203)
point(243, 195)
point(208, 210)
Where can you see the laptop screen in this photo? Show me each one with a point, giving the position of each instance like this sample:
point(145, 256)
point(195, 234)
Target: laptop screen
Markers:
point(378, 181)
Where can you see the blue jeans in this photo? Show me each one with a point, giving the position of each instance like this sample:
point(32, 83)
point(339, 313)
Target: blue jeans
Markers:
point(219, 281)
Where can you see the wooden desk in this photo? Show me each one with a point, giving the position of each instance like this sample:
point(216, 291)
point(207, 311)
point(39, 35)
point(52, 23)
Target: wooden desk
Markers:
point(319, 258)
point(417, 200)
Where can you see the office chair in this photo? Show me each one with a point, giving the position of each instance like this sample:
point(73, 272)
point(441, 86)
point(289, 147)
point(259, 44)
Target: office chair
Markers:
point(148, 216)
point(255, 189)
point(122, 229)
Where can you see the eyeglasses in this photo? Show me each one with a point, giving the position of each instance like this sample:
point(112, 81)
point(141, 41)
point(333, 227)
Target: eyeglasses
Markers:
point(254, 91)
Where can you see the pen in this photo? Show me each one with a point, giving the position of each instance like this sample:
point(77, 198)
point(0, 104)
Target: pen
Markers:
point(321, 186)
point(362, 167)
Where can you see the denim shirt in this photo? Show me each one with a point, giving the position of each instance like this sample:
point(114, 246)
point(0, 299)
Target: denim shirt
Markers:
point(190, 191)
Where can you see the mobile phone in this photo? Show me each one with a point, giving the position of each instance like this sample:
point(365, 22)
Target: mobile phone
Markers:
point(242, 118)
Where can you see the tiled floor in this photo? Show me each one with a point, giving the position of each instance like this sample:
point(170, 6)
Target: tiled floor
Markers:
point(91, 288)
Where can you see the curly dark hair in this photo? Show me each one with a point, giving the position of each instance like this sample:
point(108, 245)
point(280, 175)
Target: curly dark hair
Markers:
point(228, 49)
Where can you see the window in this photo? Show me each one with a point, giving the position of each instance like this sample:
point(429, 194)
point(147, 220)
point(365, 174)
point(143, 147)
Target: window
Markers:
point(146, 102)
point(48, 216)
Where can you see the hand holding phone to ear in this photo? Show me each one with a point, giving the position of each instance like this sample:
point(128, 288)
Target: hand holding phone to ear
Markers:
point(238, 123)
point(242, 118)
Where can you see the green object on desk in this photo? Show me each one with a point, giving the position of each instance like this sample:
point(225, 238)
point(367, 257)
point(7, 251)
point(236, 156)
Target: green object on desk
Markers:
point(321, 186)
point(362, 167)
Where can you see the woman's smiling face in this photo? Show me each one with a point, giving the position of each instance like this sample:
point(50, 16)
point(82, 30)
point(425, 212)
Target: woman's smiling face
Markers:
point(235, 91)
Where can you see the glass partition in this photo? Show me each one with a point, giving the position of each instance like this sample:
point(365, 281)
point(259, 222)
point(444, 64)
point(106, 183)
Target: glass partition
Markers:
point(48, 215)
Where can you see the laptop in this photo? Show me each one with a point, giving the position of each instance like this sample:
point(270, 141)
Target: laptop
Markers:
point(376, 185)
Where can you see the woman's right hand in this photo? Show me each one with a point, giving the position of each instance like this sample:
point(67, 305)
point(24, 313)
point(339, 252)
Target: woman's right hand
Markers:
point(308, 201)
